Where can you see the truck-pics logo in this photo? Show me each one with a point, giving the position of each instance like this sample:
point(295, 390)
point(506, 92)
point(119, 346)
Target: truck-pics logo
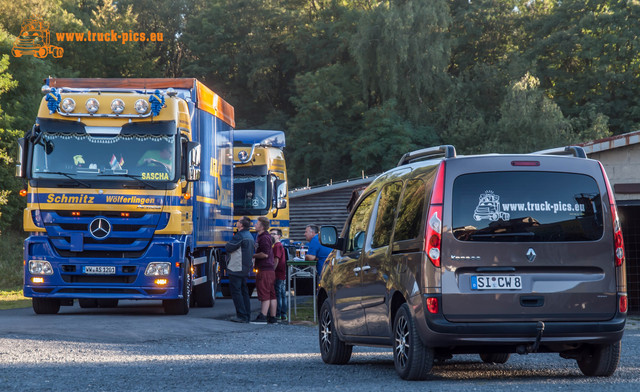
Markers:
point(489, 208)
point(35, 39)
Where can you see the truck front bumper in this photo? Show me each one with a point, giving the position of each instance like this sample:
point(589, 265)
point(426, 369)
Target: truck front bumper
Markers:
point(70, 279)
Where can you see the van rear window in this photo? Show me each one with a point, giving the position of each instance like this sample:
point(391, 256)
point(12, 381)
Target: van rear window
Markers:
point(526, 207)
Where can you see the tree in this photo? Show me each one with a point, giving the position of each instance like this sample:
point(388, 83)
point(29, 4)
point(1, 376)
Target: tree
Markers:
point(529, 121)
point(586, 55)
point(11, 204)
point(402, 52)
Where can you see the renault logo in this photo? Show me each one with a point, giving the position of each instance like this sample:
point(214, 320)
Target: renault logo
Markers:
point(531, 255)
point(100, 228)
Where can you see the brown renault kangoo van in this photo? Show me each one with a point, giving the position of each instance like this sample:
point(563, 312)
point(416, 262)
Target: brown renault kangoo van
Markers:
point(488, 254)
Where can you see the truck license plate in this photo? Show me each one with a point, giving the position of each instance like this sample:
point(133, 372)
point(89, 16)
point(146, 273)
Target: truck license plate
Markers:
point(496, 282)
point(99, 270)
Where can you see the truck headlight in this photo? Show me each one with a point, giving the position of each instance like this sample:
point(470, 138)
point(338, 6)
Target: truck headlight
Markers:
point(92, 105)
point(141, 106)
point(158, 269)
point(68, 105)
point(40, 267)
point(117, 105)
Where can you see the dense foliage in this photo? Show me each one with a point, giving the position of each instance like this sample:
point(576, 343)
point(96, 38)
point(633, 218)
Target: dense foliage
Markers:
point(355, 84)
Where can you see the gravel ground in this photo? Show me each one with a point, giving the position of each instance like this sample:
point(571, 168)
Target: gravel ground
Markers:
point(209, 354)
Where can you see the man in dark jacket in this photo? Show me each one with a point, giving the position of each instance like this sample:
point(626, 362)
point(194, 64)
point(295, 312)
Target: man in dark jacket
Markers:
point(239, 264)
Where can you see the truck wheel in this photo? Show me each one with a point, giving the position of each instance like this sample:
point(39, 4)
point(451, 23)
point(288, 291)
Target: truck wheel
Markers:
point(205, 293)
point(599, 360)
point(87, 303)
point(45, 305)
point(412, 359)
point(42, 53)
point(494, 357)
point(332, 349)
point(57, 52)
point(180, 306)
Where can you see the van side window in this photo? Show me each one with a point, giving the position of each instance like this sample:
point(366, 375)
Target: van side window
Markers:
point(387, 207)
point(411, 211)
point(358, 224)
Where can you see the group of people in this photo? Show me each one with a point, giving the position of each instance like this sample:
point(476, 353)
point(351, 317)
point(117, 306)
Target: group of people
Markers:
point(267, 254)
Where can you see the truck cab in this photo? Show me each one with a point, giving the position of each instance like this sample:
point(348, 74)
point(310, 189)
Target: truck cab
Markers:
point(259, 182)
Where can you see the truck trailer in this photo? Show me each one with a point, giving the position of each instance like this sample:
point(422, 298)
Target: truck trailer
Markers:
point(129, 193)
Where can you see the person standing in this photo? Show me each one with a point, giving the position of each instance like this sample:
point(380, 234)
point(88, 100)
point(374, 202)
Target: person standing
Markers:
point(266, 276)
point(280, 261)
point(316, 251)
point(239, 264)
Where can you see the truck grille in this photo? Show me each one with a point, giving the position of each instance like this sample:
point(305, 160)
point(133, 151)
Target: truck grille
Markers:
point(72, 234)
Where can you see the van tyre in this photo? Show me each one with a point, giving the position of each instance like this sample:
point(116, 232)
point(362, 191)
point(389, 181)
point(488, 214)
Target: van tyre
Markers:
point(495, 357)
point(600, 360)
point(412, 359)
point(180, 306)
point(333, 350)
point(45, 305)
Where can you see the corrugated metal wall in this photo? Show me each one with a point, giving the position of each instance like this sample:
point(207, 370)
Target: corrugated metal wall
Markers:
point(320, 206)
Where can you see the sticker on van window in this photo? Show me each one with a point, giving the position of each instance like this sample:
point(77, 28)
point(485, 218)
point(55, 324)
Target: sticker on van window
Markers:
point(489, 208)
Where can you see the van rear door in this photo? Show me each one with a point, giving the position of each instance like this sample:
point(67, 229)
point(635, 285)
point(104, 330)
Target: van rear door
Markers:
point(527, 240)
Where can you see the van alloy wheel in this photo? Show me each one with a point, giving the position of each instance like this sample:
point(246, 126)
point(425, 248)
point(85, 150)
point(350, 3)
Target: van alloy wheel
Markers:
point(401, 342)
point(332, 349)
point(412, 358)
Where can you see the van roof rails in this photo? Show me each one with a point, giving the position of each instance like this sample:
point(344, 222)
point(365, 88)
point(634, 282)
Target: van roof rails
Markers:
point(446, 151)
point(576, 151)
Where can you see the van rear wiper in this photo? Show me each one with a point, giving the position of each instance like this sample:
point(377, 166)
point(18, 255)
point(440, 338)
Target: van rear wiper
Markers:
point(522, 234)
point(69, 177)
point(150, 185)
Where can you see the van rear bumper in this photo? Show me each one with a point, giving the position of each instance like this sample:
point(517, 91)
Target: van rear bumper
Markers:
point(437, 331)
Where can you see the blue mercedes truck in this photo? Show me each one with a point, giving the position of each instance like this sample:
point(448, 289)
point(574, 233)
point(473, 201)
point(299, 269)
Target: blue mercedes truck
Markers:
point(129, 186)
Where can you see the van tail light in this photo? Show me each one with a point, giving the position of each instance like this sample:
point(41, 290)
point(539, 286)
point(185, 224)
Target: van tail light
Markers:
point(433, 237)
point(624, 304)
point(432, 305)
point(617, 230)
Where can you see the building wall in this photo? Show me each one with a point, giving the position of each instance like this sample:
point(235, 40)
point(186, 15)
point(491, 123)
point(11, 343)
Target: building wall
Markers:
point(622, 166)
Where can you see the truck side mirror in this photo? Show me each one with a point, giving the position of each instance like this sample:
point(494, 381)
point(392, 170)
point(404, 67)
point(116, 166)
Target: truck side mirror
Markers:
point(193, 160)
point(329, 238)
point(281, 194)
point(21, 171)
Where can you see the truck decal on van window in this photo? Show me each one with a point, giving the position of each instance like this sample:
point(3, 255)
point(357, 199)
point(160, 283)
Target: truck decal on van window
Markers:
point(544, 206)
point(489, 208)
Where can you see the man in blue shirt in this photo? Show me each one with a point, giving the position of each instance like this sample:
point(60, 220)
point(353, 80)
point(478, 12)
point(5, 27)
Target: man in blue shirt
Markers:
point(316, 251)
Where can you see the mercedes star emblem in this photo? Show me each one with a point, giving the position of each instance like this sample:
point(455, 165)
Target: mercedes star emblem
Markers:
point(100, 228)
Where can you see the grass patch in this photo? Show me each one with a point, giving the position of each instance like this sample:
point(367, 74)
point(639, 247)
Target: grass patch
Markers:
point(305, 311)
point(13, 299)
point(11, 259)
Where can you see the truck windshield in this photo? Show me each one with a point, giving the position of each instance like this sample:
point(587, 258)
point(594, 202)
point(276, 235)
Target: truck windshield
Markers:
point(250, 196)
point(121, 157)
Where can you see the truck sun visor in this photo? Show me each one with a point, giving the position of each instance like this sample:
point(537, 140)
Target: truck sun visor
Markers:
point(145, 128)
